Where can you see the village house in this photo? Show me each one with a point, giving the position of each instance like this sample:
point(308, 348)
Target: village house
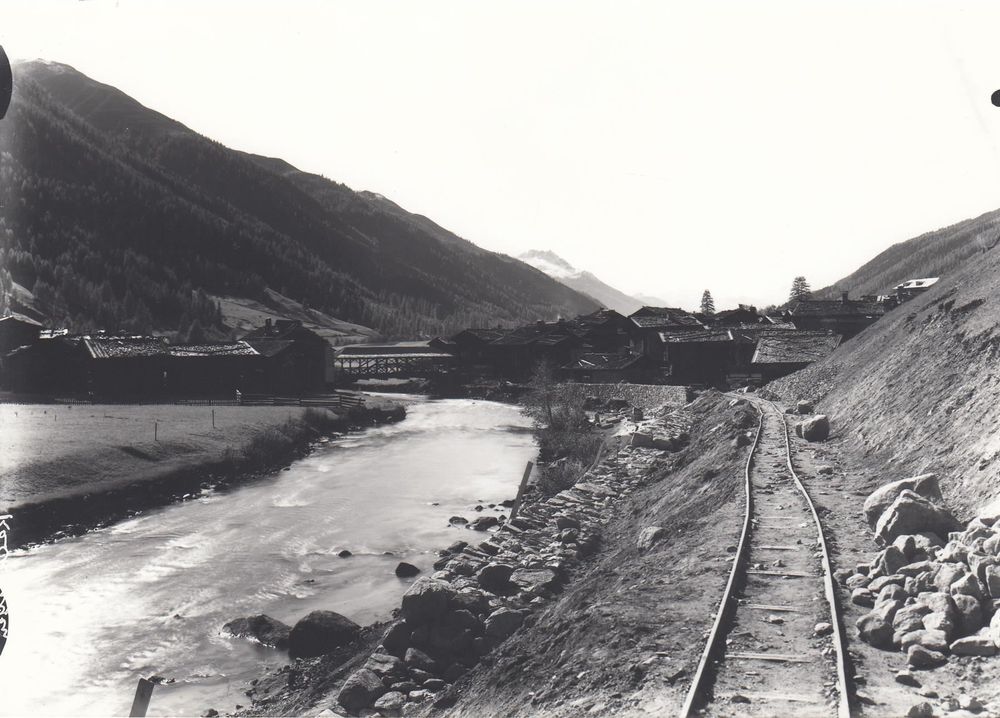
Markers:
point(697, 356)
point(516, 354)
point(914, 287)
point(604, 368)
point(846, 317)
point(472, 346)
point(300, 361)
point(647, 327)
point(17, 330)
point(602, 331)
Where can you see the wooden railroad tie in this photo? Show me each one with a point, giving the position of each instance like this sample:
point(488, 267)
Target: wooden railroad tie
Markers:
point(790, 574)
point(776, 657)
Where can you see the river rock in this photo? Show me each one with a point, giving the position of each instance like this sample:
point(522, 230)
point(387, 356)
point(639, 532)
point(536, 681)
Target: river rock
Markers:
point(319, 633)
point(495, 577)
point(503, 622)
point(415, 658)
point(265, 630)
point(878, 501)
point(397, 639)
point(649, 536)
point(484, 522)
point(458, 521)
point(804, 407)
point(426, 600)
point(815, 429)
point(360, 690)
point(911, 513)
point(534, 580)
point(406, 570)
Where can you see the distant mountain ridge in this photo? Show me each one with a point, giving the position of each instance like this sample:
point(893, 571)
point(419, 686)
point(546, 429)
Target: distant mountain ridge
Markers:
point(582, 281)
point(116, 216)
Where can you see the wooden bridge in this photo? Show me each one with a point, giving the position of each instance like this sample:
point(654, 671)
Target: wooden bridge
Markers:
point(388, 360)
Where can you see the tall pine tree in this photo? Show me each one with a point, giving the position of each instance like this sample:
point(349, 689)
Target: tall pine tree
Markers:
point(800, 289)
point(707, 303)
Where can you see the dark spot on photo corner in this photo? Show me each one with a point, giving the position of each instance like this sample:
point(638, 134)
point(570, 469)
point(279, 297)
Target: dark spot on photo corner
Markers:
point(995, 98)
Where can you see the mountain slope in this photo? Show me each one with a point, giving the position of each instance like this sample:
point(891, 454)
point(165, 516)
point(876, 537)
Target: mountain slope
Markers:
point(930, 255)
point(582, 281)
point(918, 390)
point(114, 215)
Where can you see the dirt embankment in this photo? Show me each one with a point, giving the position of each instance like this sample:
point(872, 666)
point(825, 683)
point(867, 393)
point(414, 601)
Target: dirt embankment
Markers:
point(68, 469)
point(603, 624)
point(918, 391)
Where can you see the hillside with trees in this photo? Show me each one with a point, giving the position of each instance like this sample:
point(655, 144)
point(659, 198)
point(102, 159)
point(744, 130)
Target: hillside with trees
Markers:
point(933, 254)
point(115, 216)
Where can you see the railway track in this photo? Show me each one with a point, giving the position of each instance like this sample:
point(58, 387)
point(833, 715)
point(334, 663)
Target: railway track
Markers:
point(767, 653)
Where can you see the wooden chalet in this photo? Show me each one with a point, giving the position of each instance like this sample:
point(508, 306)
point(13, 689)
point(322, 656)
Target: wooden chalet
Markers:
point(781, 353)
point(215, 370)
point(48, 366)
point(846, 317)
point(472, 346)
point(913, 288)
point(120, 366)
point(605, 368)
point(697, 356)
point(300, 361)
point(648, 325)
point(17, 330)
point(516, 354)
point(602, 331)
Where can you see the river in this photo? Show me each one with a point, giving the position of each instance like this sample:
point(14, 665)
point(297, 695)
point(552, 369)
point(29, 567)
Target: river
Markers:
point(91, 615)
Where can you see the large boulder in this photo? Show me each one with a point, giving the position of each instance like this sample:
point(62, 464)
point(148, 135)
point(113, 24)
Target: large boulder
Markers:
point(321, 632)
point(265, 630)
point(816, 428)
point(361, 690)
point(495, 577)
point(879, 500)
point(534, 580)
point(911, 513)
point(503, 622)
point(426, 600)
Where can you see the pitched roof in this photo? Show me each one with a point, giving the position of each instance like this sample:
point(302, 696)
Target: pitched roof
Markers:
point(240, 348)
point(795, 347)
point(602, 362)
point(14, 317)
point(663, 317)
point(484, 335)
point(124, 347)
point(550, 332)
point(924, 283)
point(696, 336)
point(269, 347)
point(835, 308)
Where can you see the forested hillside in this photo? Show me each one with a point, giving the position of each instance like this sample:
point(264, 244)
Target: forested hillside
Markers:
point(115, 216)
point(933, 254)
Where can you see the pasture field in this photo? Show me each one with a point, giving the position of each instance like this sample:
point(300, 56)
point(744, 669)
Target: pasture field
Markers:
point(50, 451)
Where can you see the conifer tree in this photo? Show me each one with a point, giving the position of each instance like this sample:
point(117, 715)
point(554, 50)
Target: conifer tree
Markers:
point(800, 289)
point(707, 303)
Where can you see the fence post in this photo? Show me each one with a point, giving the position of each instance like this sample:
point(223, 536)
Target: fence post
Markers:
point(156, 430)
point(143, 693)
point(520, 491)
point(213, 418)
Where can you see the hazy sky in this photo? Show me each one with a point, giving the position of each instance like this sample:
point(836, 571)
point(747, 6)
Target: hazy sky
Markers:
point(667, 147)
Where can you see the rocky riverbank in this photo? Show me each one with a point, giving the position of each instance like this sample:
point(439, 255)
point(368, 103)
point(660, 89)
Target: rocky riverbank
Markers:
point(168, 471)
point(488, 598)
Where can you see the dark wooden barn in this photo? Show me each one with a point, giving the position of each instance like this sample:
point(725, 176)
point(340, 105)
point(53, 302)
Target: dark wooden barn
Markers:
point(300, 361)
point(846, 317)
point(780, 354)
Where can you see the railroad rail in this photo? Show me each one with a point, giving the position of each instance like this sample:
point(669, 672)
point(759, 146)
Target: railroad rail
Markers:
point(764, 656)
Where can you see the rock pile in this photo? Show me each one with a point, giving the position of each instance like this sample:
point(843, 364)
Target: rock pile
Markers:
point(934, 589)
point(481, 594)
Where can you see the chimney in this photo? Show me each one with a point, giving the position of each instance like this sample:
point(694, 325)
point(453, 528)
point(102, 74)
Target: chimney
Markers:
point(843, 297)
